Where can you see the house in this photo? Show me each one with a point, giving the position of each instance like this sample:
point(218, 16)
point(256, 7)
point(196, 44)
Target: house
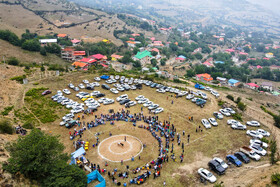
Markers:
point(116, 57)
point(230, 50)
point(221, 80)
point(135, 35)
point(69, 53)
point(274, 67)
point(78, 64)
point(144, 57)
point(269, 55)
point(204, 77)
point(219, 62)
point(62, 36)
point(155, 49)
point(207, 64)
point(252, 86)
point(44, 42)
point(267, 86)
point(75, 42)
point(88, 60)
point(233, 82)
point(259, 67)
point(97, 57)
point(179, 59)
point(131, 43)
point(242, 53)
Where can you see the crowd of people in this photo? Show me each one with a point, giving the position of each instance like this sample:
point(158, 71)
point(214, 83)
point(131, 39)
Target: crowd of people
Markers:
point(163, 131)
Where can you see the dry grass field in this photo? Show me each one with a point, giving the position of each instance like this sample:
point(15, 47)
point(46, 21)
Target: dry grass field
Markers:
point(218, 141)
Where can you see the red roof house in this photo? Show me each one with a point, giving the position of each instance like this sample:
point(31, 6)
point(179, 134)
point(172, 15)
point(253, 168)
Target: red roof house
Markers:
point(97, 56)
point(252, 85)
point(79, 53)
point(88, 60)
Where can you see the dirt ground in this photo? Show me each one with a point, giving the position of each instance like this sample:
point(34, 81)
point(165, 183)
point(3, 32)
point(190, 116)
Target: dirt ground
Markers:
point(218, 141)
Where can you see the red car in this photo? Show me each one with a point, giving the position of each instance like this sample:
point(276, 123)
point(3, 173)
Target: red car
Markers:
point(46, 92)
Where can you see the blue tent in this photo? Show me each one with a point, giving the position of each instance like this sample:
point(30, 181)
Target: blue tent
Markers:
point(96, 175)
point(105, 77)
point(181, 56)
point(76, 154)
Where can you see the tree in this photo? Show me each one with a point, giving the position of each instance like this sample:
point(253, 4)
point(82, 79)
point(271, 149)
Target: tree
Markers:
point(198, 56)
point(42, 68)
point(163, 61)
point(154, 62)
point(154, 53)
point(6, 127)
point(247, 49)
point(173, 47)
point(135, 50)
point(43, 51)
point(53, 48)
point(31, 45)
point(242, 57)
point(35, 155)
point(137, 64)
point(273, 150)
point(190, 73)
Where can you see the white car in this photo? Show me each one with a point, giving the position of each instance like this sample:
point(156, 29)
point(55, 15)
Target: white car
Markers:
point(216, 94)
point(108, 101)
point(213, 121)
point(117, 77)
point(253, 123)
point(101, 100)
point(194, 99)
point(66, 91)
point(263, 132)
point(114, 90)
point(258, 149)
point(139, 97)
point(232, 121)
point(131, 103)
point(85, 81)
point(208, 89)
point(190, 96)
point(254, 134)
point(71, 86)
point(59, 93)
point(109, 81)
point(63, 123)
point(94, 93)
point(221, 162)
point(147, 104)
point(206, 123)
point(230, 110)
point(82, 86)
point(97, 79)
point(76, 110)
point(68, 116)
point(122, 97)
point(160, 91)
point(259, 142)
point(158, 110)
point(207, 175)
point(121, 89)
point(218, 115)
point(238, 126)
point(203, 95)
point(142, 101)
point(225, 112)
point(152, 107)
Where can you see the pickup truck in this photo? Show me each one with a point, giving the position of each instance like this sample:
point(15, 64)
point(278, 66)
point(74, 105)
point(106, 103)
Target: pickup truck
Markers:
point(250, 153)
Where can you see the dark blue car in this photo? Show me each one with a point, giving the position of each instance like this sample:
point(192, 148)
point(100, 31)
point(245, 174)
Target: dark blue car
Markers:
point(234, 160)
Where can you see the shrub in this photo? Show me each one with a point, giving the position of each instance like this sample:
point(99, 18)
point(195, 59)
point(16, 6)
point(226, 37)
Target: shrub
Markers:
point(264, 140)
point(18, 78)
point(220, 102)
point(230, 97)
point(7, 110)
point(238, 100)
point(275, 179)
point(28, 125)
point(241, 106)
point(237, 116)
point(6, 127)
point(273, 150)
point(250, 98)
point(13, 61)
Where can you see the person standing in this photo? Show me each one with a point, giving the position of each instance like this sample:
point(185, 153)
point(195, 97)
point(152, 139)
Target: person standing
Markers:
point(125, 138)
point(189, 138)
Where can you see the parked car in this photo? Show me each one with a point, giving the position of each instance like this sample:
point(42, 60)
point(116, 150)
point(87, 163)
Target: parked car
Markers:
point(206, 123)
point(234, 160)
point(238, 126)
point(258, 149)
point(76, 89)
point(220, 161)
point(254, 134)
point(97, 79)
point(190, 96)
point(85, 81)
point(263, 132)
point(122, 97)
point(213, 121)
point(242, 157)
point(139, 97)
point(101, 100)
point(230, 110)
point(66, 91)
point(216, 167)
point(71, 86)
point(70, 124)
point(218, 115)
point(216, 94)
point(114, 90)
point(108, 101)
point(225, 112)
point(154, 106)
point(148, 103)
point(157, 110)
point(131, 103)
point(122, 102)
point(259, 142)
point(250, 153)
point(82, 86)
point(105, 86)
point(204, 173)
point(46, 92)
point(253, 123)
point(142, 101)
point(100, 95)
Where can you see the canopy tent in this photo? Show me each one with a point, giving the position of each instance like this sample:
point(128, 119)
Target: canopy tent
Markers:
point(96, 175)
point(76, 154)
